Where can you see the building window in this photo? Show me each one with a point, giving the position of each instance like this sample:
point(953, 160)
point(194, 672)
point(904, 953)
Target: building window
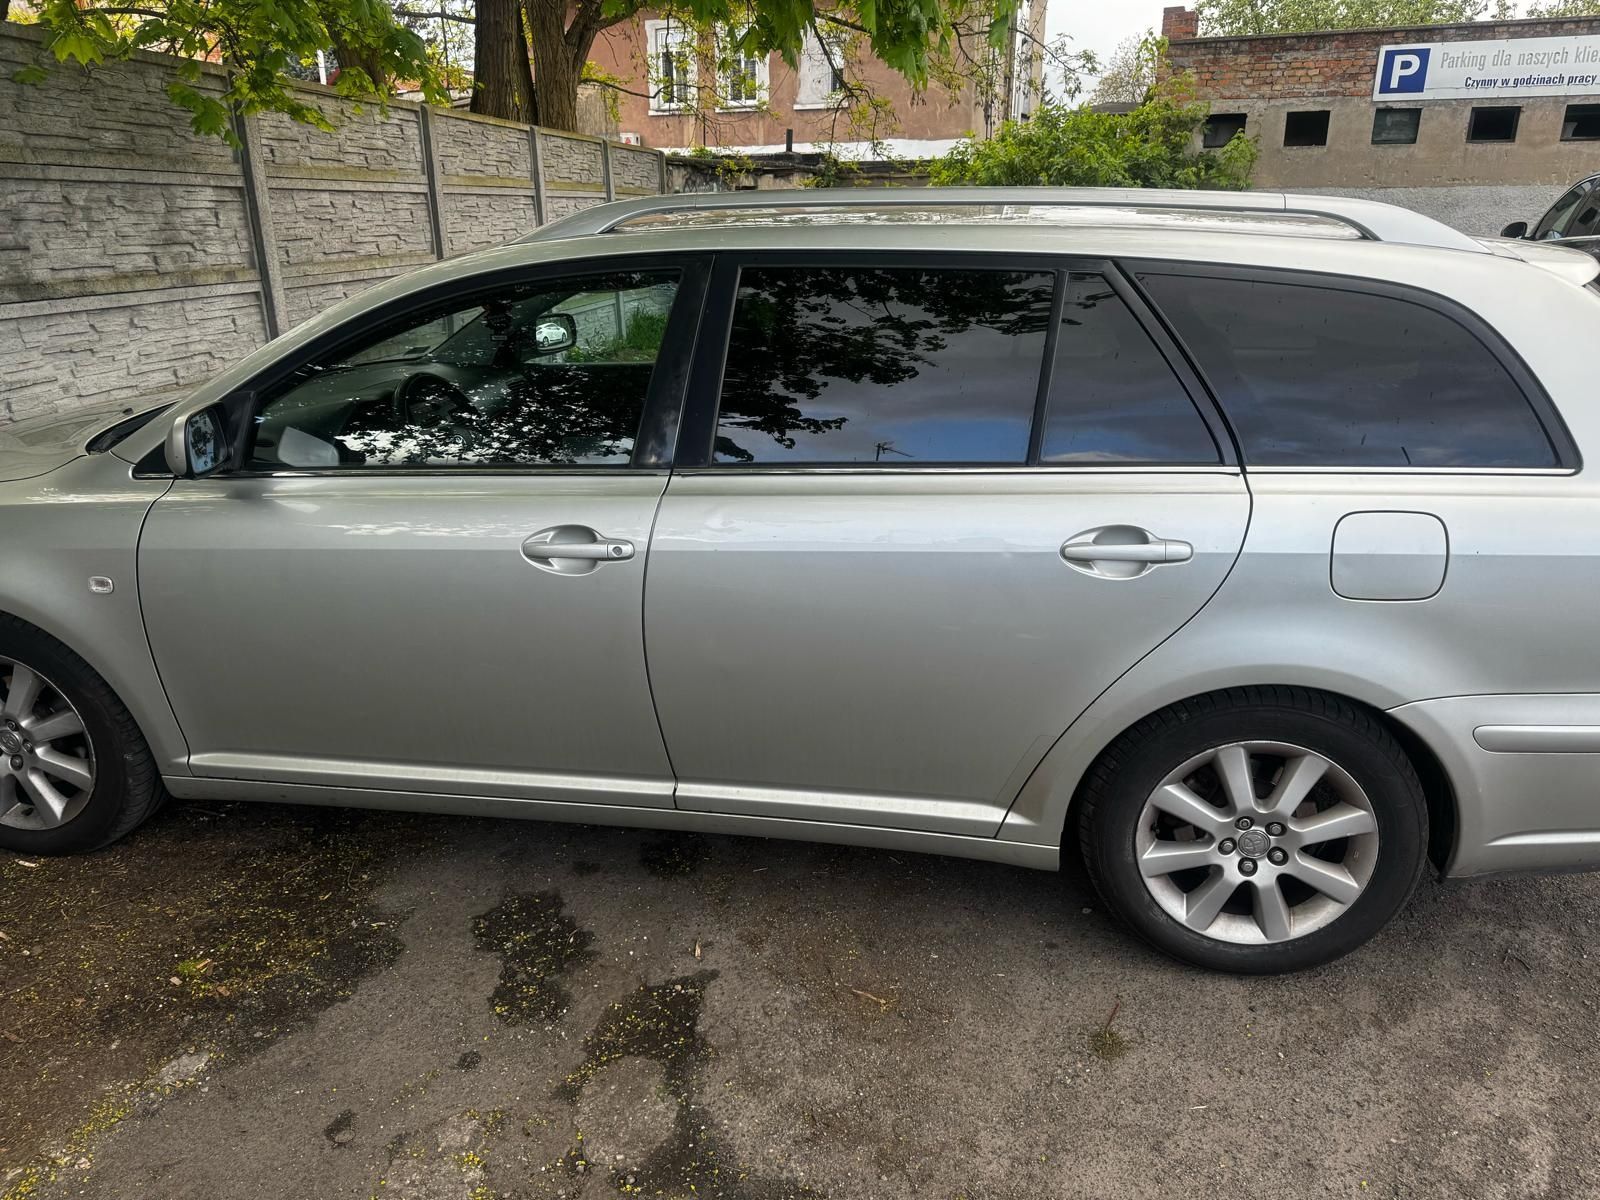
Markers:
point(821, 73)
point(1306, 128)
point(1581, 124)
point(1396, 126)
point(671, 65)
point(742, 79)
point(1494, 124)
point(1219, 129)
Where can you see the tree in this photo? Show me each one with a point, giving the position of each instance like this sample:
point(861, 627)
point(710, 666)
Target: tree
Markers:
point(1130, 72)
point(1548, 9)
point(1253, 18)
point(258, 41)
point(1152, 146)
point(379, 47)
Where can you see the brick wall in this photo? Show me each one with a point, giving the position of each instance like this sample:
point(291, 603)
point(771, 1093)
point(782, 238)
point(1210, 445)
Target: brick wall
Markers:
point(137, 258)
point(1285, 66)
point(1264, 79)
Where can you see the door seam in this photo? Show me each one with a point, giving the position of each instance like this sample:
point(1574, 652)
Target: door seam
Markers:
point(644, 642)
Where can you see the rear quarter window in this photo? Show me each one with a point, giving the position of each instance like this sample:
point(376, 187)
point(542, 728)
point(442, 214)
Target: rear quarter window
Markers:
point(1314, 375)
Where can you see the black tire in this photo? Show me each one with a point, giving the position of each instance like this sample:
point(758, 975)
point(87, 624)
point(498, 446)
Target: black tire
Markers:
point(1113, 796)
point(127, 788)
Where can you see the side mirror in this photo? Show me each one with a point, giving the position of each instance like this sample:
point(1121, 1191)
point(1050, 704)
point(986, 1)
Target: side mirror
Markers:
point(1517, 229)
point(554, 333)
point(198, 446)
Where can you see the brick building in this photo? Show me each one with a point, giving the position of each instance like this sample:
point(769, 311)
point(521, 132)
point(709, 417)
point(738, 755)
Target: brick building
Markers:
point(677, 99)
point(1478, 124)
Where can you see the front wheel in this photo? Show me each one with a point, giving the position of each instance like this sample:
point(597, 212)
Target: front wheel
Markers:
point(1258, 830)
point(75, 772)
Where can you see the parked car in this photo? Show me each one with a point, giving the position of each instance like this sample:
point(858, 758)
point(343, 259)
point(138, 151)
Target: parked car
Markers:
point(1242, 542)
point(1573, 220)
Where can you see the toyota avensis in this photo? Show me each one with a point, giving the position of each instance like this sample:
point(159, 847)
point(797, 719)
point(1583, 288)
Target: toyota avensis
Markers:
point(1241, 542)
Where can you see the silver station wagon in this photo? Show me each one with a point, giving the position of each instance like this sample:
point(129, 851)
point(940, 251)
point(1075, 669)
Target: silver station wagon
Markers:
point(1238, 543)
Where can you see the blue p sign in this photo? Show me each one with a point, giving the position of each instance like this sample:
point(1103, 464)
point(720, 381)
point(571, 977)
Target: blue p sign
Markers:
point(1402, 69)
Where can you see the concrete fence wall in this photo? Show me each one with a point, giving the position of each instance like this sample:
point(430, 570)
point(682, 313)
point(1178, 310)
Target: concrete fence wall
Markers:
point(136, 257)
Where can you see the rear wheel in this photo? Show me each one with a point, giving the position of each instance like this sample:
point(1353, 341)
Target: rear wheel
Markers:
point(75, 773)
point(1256, 830)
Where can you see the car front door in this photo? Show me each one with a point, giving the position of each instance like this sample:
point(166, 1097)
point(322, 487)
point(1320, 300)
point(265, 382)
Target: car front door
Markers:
point(924, 511)
point(428, 575)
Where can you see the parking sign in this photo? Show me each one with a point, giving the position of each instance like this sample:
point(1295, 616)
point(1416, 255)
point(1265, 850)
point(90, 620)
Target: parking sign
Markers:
point(1402, 69)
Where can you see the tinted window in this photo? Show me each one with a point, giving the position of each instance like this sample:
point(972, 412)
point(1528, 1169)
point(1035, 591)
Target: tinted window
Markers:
point(1322, 377)
point(1113, 398)
point(894, 366)
point(1554, 223)
point(1396, 126)
point(547, 374)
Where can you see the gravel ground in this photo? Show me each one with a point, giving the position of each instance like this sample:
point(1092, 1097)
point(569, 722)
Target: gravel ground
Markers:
point(260, 1002)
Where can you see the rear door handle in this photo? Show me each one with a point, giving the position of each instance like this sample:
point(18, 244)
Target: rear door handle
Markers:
point(1122, 552)
point(1161, 550)
point(573, 549)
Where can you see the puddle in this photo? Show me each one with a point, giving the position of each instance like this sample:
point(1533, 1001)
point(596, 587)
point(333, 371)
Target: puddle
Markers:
point(537, 943)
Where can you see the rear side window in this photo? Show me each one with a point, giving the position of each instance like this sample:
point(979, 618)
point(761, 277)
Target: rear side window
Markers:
point(1321, 376)
point(892, 366)
point(1113, 397)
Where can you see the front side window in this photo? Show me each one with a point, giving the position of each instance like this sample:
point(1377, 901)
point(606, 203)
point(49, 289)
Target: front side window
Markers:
point(883, 366)
point(1321, 376)
point(1554, 223)
point(1113, 398)
point(548, 374)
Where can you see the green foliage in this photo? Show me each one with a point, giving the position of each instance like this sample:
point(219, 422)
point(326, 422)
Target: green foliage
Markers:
point(640, 341)
point(904, 34)
point(1152, 146)
point(1250, 18)
point(1563, 8)
point(256, 40)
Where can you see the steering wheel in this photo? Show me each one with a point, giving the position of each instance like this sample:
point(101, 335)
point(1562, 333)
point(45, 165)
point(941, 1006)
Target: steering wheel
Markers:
point(430, 401)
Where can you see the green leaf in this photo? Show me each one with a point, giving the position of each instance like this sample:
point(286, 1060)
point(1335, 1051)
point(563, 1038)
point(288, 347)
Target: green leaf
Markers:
point(30, 74)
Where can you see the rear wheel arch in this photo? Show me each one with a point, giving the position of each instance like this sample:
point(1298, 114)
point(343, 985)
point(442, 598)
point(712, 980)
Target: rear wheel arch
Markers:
point(1439, 791)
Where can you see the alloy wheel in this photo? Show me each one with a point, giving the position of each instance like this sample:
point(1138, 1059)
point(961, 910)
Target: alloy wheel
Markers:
point(1257, 842)
point(46, 758)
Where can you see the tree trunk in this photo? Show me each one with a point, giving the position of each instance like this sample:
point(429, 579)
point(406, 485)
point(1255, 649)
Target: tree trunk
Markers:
point(558, 58)
point(502, 84)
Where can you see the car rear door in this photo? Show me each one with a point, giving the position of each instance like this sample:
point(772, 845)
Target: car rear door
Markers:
point(428, 578)
point(924, 510)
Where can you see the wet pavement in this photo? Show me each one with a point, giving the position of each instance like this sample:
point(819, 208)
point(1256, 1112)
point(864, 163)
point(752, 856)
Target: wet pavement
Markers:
point(275, 1002)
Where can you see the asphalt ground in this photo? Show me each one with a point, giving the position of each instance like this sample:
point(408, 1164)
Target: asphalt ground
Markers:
point(263, 1002)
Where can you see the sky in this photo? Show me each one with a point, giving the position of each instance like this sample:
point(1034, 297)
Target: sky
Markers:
point(1099, 25)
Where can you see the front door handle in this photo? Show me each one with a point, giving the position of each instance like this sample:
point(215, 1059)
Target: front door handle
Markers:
point(573, 549)
point(1122, 551)
point(587, 551)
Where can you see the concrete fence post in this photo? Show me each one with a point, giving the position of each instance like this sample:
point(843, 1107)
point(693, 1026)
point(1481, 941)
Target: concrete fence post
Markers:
point(666, 174)
point(432, 175)
point(258, 213)
point(605, 169)
point(536, 158)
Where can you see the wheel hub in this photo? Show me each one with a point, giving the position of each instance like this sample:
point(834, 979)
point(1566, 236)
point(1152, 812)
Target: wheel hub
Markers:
point(47, 766)
point(1254, 843)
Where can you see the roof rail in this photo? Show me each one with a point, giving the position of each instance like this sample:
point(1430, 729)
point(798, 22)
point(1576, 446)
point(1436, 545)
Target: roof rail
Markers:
point(1373, 220)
